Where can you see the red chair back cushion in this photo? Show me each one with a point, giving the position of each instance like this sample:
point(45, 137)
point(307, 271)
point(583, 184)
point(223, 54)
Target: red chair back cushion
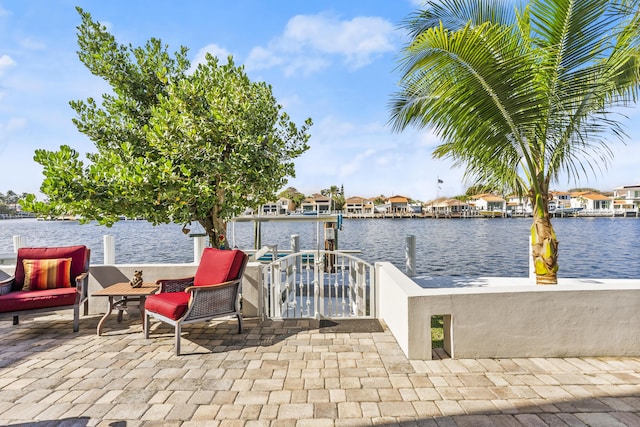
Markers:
point(218, 266)
point(78, 255)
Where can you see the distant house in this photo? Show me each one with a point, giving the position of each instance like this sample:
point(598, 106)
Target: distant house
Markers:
point(591, 201)
point(397, 204)
point(316, 203)
point(449, 207)
point(358, 205)
point(285, 206)
point(519, 205)
point(270, 208)
point(489, 202)
point(562, 199)
point(627, 197)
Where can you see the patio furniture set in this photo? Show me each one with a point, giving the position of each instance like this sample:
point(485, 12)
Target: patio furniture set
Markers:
point(52, 279)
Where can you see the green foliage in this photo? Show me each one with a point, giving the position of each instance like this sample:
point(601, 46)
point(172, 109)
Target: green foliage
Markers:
point(171, 146)
point(437, 331)
point(380, 200)
point(292, 194)
point(8, 202)
point(478, 189)
point(583, 189)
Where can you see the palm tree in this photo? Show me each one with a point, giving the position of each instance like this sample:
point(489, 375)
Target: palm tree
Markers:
point(521, 96)
point(336, 195)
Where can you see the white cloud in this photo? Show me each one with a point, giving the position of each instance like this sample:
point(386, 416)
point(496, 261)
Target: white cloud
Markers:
point(215, 50)
point(5, 63)
point(4, 12)
point(31, 44)
point(15, 123)
point(310, 42)
point(261, 58)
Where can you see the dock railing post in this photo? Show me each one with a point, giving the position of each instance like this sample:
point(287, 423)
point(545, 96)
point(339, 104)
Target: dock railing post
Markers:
point(109, 250)
point(295, 248)
point(410, 255)
point(199, 243)
point(18, 242)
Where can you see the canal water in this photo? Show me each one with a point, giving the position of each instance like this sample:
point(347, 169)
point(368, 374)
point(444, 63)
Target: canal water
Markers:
point(589, 247)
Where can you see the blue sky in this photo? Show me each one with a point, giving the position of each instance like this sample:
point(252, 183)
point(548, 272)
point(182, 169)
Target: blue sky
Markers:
point(331, 60)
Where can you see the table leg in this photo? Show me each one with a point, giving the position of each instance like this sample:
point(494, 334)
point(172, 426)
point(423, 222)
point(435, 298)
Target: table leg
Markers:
point(122, 306)
point(104, 318)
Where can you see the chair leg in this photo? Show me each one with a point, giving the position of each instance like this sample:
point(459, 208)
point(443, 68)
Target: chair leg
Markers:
point(15, 320)
point(177, 339)
point(146, 326)
point(239, 316)
point(76, 318)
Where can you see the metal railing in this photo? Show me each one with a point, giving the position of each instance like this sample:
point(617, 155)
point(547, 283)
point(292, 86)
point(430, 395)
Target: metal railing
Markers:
point(319, 284)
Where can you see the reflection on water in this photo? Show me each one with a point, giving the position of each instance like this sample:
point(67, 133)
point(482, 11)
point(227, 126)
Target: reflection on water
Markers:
point(589, 247)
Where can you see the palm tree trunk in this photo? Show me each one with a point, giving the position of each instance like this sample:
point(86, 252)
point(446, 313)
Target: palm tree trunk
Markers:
point(544, 245)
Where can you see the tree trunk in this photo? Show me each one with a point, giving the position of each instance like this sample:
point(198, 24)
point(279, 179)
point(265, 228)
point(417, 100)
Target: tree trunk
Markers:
point(216, 229)
point(544, 245)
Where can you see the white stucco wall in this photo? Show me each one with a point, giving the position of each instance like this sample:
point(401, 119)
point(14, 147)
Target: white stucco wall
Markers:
point(510, 317)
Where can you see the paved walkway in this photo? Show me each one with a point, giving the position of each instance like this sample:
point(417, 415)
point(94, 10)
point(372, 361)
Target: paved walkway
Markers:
point(289, 374)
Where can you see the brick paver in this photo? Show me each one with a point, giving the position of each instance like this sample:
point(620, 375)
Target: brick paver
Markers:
point(289, 374)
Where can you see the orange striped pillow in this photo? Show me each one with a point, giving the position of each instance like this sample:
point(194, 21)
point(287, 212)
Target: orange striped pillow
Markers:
point(46, 273)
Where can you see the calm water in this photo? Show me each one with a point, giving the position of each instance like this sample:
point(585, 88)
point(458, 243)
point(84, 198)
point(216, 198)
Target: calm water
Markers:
point(589, 247)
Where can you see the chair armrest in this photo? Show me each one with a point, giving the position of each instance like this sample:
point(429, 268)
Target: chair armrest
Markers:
point(80, 281)
point(174, 285)
point(211, 287)
point(6, 284)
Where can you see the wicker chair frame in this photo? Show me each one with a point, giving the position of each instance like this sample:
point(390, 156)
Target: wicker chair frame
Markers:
point(205, 302)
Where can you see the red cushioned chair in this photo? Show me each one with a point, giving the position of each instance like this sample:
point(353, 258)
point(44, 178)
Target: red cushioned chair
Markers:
point(17, 300)
point(213, 292)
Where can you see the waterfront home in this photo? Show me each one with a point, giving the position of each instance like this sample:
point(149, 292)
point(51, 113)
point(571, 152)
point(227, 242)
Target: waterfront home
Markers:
point(397, 204)
point(629, 195)
point(449, 208)
point(562, 199)
point(285, 205)
point(282, 206)
point(517, 205)
point(415, 207)
point(591, 201)
point(621, 207)
point(316, 203)
point(270, 208)
point(489, 202)
point(358, 205)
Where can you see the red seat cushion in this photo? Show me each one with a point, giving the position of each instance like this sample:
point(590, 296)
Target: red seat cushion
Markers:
point(78, 255)
point(17, 301)
point(168, 304)
point(218, 266)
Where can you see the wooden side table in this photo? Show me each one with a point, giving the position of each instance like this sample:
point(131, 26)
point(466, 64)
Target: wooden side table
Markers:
point(124, 291)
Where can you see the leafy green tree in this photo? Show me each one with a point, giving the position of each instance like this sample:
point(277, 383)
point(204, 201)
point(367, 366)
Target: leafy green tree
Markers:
point(581, 189)
point(478, 189)
point(292, 194)
point(171, 146)
point(519, 96)
point(380, 200)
